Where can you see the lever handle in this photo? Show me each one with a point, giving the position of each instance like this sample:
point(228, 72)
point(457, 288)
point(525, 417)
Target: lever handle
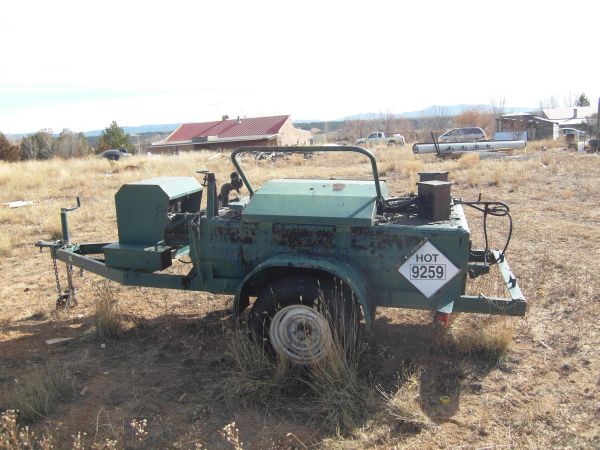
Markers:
point(73, 208)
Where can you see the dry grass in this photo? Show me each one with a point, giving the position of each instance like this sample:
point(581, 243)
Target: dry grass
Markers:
point(330, 395)
point(397, 420)
point(469, 160)
point(16, 437)
point(5, 245)
point(39, 394)
point(488, 337)
point(540, 391)
point(107, 318)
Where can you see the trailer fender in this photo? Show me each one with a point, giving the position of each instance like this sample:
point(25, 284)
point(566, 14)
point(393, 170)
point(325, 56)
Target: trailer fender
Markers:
point(351, 276)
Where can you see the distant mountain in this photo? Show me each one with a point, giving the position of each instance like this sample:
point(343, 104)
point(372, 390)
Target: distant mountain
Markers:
point(437, 110)
point(142, 129)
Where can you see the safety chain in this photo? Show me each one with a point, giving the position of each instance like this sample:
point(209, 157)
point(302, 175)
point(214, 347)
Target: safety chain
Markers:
point(58, 288)
point(67, 297)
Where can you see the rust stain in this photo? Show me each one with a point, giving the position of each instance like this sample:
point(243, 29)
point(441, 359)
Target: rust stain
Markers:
point(303, 237)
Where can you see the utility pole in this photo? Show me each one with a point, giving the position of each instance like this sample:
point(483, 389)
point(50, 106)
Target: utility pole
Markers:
point(598, 120)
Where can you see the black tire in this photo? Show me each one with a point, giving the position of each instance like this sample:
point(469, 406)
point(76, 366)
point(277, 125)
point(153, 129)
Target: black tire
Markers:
point(328, 297)
point(391, 143)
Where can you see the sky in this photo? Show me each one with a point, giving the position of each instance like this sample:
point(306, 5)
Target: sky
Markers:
point(82, 64)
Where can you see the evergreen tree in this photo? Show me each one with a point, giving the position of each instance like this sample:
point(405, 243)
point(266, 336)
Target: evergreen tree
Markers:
point(582, 100)
point(114, 137)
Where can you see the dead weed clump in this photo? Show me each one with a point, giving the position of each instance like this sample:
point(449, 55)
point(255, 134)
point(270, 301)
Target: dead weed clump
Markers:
point(250, 371)
point(107, 318)
point(487, 337)
point(15, 437)
point(398, 419)
point(339, 398)
point(40, 394)
point(329, 394)
point(403, 408)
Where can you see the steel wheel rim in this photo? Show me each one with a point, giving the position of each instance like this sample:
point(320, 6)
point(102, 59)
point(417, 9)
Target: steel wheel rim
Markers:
point(300, 334)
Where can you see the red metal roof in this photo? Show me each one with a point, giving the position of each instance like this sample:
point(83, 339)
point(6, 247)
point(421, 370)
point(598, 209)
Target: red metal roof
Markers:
point(230, 128)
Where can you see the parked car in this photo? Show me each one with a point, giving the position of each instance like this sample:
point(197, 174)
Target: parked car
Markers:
point(381, 138)
point(114, 154)
point(572, 132)
point(470, 134)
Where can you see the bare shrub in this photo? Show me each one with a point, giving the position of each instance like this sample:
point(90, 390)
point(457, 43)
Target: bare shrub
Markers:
point(476, 118)
point(8, 151)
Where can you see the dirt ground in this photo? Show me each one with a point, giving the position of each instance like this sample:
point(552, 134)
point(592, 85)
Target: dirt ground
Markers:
point(542, 392)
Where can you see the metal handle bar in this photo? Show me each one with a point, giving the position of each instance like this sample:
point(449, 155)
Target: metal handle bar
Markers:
point(73, 208)
point(340, 148)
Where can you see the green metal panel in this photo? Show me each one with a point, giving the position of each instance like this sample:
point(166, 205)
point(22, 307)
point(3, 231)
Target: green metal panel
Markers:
point(71, 255)
point(172, 187)
point(142, 207)
point(138, 257)
point(331, 202)
point(227, 250)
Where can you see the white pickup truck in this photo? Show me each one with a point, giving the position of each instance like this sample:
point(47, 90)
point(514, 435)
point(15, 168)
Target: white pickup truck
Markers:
point(381, 138)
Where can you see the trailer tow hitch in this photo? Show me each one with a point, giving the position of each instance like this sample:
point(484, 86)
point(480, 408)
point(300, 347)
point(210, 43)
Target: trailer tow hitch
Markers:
point(67, 297)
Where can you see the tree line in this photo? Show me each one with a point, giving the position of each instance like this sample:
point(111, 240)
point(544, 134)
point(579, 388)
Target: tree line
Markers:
point(415, 129)
point(67, 144)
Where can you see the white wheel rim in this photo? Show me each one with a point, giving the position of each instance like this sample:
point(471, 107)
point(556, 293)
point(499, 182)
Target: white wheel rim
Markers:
point(300, 334)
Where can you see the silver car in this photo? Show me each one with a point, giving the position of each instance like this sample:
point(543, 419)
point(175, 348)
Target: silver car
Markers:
point(470, 134)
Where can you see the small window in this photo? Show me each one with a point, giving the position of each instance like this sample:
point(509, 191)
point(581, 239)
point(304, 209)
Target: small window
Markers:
point(454, 132)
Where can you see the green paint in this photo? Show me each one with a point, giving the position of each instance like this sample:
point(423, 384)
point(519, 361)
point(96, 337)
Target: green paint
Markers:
point(321, 226)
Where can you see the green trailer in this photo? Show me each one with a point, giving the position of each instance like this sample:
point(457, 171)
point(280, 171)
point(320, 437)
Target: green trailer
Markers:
point(292, 244)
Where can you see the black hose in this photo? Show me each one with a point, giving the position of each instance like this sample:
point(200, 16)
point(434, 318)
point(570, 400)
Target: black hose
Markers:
point(399, 205)
point(496, 209)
